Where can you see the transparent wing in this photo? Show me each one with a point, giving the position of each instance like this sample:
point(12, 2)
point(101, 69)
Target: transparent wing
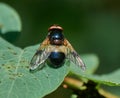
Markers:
point(75, 58)
point(39, 58)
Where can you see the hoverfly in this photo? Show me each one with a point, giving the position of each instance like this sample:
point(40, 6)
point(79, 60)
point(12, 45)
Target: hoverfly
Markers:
point(55, 49)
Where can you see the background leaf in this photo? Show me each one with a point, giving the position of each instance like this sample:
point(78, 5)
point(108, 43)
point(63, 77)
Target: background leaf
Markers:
point(91, 61)
point(15, 79)
point(111, 79)
point(10, 23)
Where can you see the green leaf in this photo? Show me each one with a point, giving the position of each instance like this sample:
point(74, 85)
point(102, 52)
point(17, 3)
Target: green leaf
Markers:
point(9, 19)
point(111, 79)
point(15, 79)
point(10, 23)
point(91, 62)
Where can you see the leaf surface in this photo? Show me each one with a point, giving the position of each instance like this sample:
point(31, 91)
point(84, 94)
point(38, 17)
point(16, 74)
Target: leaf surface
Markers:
point(17, 82)
point(111, 79)
point(15, 79)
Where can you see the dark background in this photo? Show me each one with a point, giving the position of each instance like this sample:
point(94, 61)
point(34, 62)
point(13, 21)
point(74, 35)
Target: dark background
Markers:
point(92, 26)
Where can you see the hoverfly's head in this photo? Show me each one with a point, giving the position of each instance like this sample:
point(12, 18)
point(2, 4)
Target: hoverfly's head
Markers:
point(55, 35)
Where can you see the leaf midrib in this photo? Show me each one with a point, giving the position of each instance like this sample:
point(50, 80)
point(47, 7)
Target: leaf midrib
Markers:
point(18, 63)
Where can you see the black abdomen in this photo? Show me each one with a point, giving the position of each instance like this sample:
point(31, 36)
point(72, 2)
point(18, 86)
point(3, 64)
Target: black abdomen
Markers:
point(56, 59)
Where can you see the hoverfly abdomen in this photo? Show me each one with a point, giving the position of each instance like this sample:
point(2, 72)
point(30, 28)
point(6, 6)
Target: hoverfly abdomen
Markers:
point(56, 59)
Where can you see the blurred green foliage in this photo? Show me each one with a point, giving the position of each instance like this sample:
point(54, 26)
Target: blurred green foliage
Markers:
point(10, 23)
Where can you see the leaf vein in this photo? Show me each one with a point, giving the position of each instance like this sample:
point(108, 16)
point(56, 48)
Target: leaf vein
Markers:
point(17, 65)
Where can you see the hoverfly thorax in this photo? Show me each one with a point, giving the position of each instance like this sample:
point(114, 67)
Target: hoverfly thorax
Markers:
point(56, 36)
